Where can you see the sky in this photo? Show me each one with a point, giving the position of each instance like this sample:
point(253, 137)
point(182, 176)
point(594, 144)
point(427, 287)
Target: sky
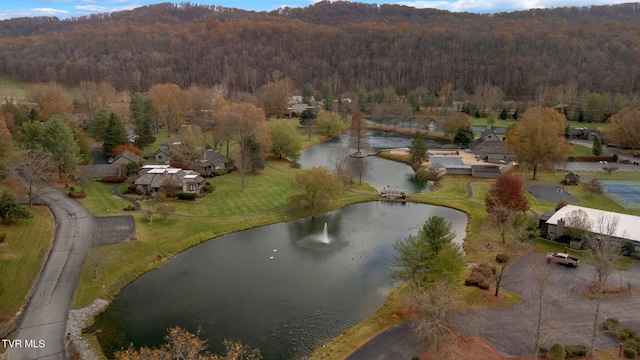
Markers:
point(75, 8)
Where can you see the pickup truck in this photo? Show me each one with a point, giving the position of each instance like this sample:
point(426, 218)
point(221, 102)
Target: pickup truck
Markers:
point(562, 258)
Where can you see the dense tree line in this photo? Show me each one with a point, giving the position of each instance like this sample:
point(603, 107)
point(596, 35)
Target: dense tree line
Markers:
point(345, 46)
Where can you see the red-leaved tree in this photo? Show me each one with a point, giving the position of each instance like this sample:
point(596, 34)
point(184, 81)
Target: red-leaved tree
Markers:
point(505, 199)
point(121, 148)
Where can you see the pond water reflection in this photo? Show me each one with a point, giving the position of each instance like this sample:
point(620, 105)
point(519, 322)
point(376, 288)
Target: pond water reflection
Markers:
point(277, 287)
point(381, 173)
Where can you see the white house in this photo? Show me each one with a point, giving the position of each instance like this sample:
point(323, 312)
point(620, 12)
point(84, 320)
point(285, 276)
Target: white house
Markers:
point(628, 227)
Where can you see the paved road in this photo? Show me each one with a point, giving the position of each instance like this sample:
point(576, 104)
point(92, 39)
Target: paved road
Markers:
point(45, 317)
point(395, 343)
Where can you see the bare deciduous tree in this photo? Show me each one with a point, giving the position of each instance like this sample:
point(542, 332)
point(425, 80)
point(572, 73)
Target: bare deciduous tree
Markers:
point(434, 308)
point(37, 166)
point(546, 312)
point(606, 247)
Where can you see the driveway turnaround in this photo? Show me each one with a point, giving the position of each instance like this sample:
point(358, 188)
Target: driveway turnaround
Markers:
point(567, 313)
point(41, 330)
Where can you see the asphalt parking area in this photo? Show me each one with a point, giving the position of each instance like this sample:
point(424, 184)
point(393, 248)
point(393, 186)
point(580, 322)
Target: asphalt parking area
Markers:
point(569, 315)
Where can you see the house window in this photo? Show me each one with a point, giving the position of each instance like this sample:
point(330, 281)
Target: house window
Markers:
point(160, 157)
point(192, 187)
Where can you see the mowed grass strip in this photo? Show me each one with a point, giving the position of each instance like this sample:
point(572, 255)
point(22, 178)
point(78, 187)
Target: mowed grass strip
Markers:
point(21, 256)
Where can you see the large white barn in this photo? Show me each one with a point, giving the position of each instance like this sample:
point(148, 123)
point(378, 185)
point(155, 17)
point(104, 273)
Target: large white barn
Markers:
point(628, 227)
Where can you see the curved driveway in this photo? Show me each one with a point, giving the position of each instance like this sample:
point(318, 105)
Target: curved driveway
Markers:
point(45, 317)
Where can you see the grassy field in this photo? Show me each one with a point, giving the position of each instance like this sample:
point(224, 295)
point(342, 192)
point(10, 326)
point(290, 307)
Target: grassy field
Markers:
point(100, 201)
point(509, 122)
point(21, 257)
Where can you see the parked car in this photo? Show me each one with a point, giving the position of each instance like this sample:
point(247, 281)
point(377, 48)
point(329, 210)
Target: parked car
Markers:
point(562, 258)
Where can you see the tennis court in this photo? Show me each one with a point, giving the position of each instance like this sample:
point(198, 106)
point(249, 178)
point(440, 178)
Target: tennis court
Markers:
point(623, 193)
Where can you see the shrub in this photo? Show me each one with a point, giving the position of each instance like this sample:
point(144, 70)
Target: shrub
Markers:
point(502, 258)
point(486, 269)
point(3, 237)
point(611, 324)
point(422, 175)
point(77, 194)
point(543, 350)
point(633, 344)
point(114, 179)
point(186, 196)
point(615, 158)
point(556, 352)
point(630, 333)
point(630, 353)
point(575, 350)
point(208, 187)
point(220, 172)
point(130, 207)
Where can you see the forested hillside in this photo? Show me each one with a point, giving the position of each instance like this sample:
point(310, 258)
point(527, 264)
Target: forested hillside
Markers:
point(349, 46)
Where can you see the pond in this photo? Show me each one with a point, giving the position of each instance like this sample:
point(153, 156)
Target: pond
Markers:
point(278, 287)
point(381, 173)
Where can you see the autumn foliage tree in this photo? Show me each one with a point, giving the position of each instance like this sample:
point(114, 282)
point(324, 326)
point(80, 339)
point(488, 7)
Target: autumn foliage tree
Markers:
point(319, 188)
point(182, 344)
point(624, 128)
point(504, 199)
point(538, 139)
point(121, 148)
point(169, 105)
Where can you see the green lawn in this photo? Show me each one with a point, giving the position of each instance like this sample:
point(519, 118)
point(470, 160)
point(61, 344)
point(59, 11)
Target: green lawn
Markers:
point(21, 257)
point(226, 210)
point(100, 201)
point(580, 150)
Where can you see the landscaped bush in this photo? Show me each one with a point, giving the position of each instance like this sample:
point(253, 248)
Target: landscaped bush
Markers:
point(477, 277)
point(130, 207)
point(557, 352)
point(3, 237)
point(77, 194)
point(611, 324)
point(114, 179)
point(543, 350)
point(630, 353)
point(633, 344)
point(208, 187)
point(630, 333)
point(186, 196)
point(575, 350)
point(220, 172)
point(422, 175)
point(486, 269)
point(615, 158)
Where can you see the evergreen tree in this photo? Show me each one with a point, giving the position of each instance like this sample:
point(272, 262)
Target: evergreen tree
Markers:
point(99, 124)
point(504, 114)
point(10, 210)
point(140, 108)
point(597, 146)
point(429, 256)
point(418, 151)
point(58, 139)
point(464, 136)
point(307, 94)
point(327, 97)
point(256, 159)
point(114, 134)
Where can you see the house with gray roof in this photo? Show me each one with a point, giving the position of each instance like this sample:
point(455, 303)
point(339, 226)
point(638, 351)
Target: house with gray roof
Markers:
point(153, 178)
point(211, 160)
point(491, 148)
point(125, 158)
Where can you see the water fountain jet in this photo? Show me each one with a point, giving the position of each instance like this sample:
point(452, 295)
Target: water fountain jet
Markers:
point(325, 235)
